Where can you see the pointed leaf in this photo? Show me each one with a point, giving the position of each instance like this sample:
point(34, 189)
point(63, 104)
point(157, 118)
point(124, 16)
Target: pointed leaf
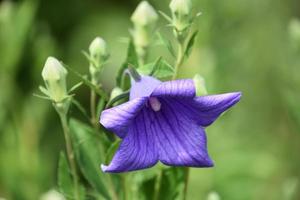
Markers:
point(131, 58)
point(172, 183)
point(169, 19)
point(64, 178)
point(75, 87)
point(163, 69)
point(88, 155)
point(190, 44)
point(78, 105)
point(44, 90)
point(84, 79)
point(111, 150)
point(167, 44)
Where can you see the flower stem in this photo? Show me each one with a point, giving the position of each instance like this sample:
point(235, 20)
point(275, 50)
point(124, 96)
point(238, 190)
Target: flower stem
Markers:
point(93, 108)
point(70, 153)
point(179, 62)
point(93, 105)
point(186, 182)
point(180, 58)
point(157, 185)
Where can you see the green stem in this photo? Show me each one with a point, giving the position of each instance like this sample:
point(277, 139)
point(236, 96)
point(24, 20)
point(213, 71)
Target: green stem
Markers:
point(93, 99)
point(94, 120)
point(93, 109)
point(179, 62)
point(70, 152)
point(157, 185)
point(186, 182)
point(180, 58)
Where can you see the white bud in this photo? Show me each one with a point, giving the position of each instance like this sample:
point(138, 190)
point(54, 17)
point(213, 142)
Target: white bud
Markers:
point(52, 195)
point(213, 196)
point(294, 31)
point(115, 92)
point(54, 75)
point(199, 85)
point(144, 15)
point(181, 13)
point(181, 7)
point(98, 48)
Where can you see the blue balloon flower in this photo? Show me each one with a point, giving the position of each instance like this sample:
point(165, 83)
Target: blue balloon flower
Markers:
point(163, 121)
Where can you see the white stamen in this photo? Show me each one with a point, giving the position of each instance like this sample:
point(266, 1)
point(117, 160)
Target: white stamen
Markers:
point(155, 104)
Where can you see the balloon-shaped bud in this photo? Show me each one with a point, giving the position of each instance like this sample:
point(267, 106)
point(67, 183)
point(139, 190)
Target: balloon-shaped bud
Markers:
point(54, 75)
point(181, 13)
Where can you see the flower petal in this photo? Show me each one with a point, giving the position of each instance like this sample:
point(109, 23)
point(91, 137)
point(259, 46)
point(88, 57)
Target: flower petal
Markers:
point(117, 119)
point(184, 88)
point(143, 87)
point(206, 109)
point(181, 142)
point(137, 150)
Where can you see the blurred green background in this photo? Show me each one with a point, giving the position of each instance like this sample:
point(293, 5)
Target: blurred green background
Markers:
point(249, 46)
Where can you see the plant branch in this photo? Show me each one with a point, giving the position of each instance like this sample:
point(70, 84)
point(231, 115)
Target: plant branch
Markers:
point(70, 153)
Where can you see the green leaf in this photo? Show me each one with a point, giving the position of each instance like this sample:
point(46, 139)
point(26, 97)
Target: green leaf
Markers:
point(75, 87)
point(190, 44)
point(167, 44)
point(169, 19)
point(42, 97)
point(44, 90)
point(172, 183)
point(88, 155)
point(65, 183)
point(131, 58)
point(160, 69)
point(78, 105)
point(84, 79)
point(111, 150)
point(117, 98)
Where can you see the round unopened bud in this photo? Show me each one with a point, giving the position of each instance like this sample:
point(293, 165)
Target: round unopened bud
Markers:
point(199, 85)
point(98, 47)
point(144, 15)
point(181, 13)
point(52, 195)
point(115, 92)
point(294, 31)
point(144, 19)
point(54, 75)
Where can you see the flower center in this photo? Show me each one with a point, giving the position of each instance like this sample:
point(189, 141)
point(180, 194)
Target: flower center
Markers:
point(155, 104)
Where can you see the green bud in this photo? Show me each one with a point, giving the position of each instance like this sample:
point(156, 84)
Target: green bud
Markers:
point(54, 75)
point(98, 52)
point(181, 13)
point(144, 20)
point(294, 31)
point(144, 15)
point(200, 85)
point(115, 92)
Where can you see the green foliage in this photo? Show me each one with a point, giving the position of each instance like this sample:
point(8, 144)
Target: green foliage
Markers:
point(130, 59)
point(88, 155)
point(64, 178)
point(190, 44)
point(160, 69)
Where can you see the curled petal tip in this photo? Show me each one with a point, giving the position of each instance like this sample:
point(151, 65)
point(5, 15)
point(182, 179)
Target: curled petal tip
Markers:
point(103, 168)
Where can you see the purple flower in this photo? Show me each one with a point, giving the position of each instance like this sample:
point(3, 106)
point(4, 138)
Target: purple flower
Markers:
point(163, 121)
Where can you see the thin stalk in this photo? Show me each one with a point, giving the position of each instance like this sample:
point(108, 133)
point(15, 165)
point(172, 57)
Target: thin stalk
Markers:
point(70, 153)
point(186, 182)
point(157, 185)
point(180, 58)
point(93, 109)
point(179, 62)
point(93, 99)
